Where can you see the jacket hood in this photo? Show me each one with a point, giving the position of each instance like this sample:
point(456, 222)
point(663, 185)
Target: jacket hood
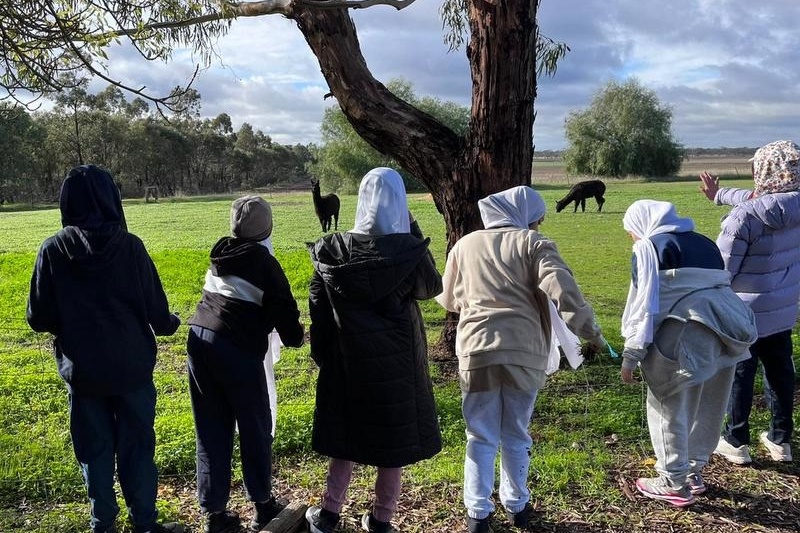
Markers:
point(366, 268)
point(776, 210)
point(231, 255)
point(89, 250)
point(90, 200)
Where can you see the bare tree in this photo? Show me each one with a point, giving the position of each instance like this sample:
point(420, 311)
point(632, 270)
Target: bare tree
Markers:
point(496, 153)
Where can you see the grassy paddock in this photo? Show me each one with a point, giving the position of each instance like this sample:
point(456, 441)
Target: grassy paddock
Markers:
point(589, 428)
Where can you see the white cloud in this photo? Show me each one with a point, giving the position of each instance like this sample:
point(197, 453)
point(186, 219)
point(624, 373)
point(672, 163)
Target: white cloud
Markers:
point(727, 68)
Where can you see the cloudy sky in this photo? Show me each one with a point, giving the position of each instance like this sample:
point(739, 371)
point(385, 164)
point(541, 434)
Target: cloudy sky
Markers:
point(728, 69)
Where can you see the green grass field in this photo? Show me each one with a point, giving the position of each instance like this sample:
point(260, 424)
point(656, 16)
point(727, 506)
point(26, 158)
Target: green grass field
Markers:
point(589, 428)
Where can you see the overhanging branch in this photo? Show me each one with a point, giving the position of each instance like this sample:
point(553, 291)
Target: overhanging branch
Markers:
point(232, 10)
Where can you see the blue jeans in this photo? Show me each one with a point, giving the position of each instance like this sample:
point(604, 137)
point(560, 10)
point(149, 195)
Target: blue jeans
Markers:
point(228, 387)
point(119, 428)
point(497, 418)
point(775, 354)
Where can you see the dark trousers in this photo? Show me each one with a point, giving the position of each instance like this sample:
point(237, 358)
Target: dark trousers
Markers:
point(109, 429)
point(228, 387)
point(775, 354)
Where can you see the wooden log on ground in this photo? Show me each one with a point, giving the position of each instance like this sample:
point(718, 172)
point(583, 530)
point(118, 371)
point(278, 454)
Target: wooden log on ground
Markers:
point(290, 520)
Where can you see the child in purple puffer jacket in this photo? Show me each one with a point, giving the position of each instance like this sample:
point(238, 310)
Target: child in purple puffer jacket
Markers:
point(758, 242)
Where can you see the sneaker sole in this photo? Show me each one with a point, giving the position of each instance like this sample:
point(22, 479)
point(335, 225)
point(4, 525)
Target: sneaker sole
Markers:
point(776, 455)
point(674, 500)
point(734, 459)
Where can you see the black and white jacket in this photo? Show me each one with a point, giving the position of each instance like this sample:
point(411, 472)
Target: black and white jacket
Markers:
point(246, 295)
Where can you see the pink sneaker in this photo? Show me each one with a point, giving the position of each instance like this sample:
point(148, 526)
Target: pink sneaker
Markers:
point(696, 483)
point(659, 488)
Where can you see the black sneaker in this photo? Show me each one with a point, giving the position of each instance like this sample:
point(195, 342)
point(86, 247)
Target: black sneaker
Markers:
point(521, 518)
point(321, 520)
point(223, 522)
point(373, 525)
point(476, 525)
point(266, 511)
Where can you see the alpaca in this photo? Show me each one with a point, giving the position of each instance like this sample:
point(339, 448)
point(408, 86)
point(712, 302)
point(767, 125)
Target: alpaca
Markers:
point(327, 207)
point(580, 192)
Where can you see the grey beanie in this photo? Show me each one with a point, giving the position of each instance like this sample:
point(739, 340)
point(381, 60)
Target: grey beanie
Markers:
point(251, 218)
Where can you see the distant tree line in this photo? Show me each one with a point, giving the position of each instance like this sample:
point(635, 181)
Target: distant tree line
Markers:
point(179, 154)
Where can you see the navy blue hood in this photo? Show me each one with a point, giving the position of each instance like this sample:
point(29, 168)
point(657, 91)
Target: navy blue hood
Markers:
point(91, 201)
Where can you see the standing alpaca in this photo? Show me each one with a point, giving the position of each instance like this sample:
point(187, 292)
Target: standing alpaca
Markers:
point(580, 192)
point(327, 207)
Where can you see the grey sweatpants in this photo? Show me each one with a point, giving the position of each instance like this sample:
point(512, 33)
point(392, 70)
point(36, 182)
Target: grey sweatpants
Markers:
point(685, 426)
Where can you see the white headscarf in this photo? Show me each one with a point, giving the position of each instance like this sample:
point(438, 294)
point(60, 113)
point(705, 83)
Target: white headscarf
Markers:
point(382, 207)
point(645, 218)
point(517, 207)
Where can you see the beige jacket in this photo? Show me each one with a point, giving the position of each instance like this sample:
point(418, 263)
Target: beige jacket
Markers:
point(499, 280)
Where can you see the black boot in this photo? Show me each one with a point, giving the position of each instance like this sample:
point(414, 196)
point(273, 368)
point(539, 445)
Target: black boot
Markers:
point(266, 511)
point(222, 522)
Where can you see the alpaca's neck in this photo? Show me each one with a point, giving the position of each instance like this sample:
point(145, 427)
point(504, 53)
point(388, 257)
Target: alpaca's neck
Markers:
point(317, 199)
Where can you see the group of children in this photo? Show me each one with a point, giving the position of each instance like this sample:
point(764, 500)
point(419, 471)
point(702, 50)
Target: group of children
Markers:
point(696, 311)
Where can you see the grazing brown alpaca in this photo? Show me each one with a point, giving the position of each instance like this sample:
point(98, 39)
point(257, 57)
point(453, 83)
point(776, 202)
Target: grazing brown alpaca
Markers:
point(580, 192)
point(327, 207)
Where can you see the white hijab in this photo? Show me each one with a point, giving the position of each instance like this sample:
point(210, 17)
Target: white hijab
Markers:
point(382, 207)
point(645, 218)
point(517, 207)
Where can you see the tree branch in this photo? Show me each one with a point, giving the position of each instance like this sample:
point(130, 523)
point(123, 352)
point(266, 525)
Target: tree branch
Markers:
point(232, 10)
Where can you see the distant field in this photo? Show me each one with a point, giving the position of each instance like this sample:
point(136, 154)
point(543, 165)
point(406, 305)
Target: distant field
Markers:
point(553, 171)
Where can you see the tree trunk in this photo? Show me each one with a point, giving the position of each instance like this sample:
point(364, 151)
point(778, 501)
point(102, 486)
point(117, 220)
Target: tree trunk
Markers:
point(497, 151)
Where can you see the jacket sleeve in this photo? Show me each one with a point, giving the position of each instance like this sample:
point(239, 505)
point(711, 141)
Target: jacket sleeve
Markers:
point(733, 243)
point(158, 315)
point(281, 307)
point(427, 280)
point(558, 283)
point(732, 196)
point(41, 312)
point(323, 327)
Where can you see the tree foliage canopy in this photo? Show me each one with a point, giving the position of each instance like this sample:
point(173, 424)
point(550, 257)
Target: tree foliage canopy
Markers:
point(344, 157)
point(625, 131)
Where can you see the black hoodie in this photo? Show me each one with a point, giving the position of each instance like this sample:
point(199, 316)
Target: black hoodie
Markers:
point(96, 289)
point(247, 323)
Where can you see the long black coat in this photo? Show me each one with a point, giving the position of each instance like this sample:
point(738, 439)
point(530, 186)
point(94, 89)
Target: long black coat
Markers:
point(374, 402)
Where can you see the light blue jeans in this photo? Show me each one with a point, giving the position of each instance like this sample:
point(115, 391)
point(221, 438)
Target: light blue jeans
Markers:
point(497, 418)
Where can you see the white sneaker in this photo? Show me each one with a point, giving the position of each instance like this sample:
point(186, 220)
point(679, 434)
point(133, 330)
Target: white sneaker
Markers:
point(778, 452)
point(737, 456)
